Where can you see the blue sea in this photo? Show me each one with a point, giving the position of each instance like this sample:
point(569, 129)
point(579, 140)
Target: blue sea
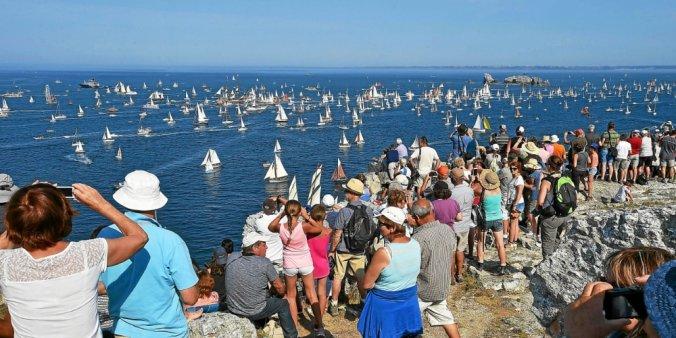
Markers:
point(204, 208)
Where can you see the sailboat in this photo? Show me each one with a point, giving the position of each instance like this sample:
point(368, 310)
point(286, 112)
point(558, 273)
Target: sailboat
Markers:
point(242, 127)
point(169, 119)
point(315, 187)
point(79, 147)
point(293, 190)
point(5, 107)
point(359, 140)
point(478, 125)
point(517, 113)
point(300, 123)
point(278, 147)
point(448, 118)
point(416, 144)
point(343, 142)
point(276, 171)
point(118, 156)
point(210, 161)
point(201, 116)
point(80, 111)
point(226, 117)
point(151, 105)
point(339, 173)
point(107, 137)
point(281, 115)
point(31, 100)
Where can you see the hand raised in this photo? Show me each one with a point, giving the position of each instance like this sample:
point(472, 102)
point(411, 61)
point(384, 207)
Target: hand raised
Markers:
point(89, 197)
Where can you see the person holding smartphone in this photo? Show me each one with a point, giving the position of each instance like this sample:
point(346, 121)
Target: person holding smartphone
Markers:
point(49, 283)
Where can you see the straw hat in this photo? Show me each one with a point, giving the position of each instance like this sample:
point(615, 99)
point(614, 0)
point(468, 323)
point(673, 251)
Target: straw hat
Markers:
point(546, 138)
point(401, 179)
point(532, 164)
point(354, 186)
point(489, 180)
point(531, 148)
point(141, 192)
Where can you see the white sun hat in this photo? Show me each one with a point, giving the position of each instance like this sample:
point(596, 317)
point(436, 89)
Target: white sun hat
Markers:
point(394, 214)
point(253, 238)
point(328, 200)
point(141, 192)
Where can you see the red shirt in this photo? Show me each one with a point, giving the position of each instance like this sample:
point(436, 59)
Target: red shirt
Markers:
point(635, 145)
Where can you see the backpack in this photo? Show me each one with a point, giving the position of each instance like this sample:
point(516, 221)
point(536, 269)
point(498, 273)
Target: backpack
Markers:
point(641, 179)
point(564, 197)
point(359, 230)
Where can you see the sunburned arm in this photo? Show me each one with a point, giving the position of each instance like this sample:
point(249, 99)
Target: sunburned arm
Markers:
point(189, 296)
point(279, 287)
point(6, 328)
point(335, 239)
point(519, 193)
point(379, 262)
point(274, 225)
point(509, 146)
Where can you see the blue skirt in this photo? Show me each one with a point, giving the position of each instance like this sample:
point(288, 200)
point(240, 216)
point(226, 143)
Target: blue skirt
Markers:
point(391, 314)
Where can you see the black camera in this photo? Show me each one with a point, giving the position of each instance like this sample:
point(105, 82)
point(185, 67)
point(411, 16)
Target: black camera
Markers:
point(624, 303)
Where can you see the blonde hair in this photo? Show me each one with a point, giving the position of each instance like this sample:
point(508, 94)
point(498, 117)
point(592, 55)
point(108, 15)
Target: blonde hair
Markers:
point(623, 266)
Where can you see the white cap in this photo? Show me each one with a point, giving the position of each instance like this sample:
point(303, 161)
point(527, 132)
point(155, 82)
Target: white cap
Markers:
point(495, 146)
point(252, 238)
point(644, 131)
point(328, 200)
point(521, 129)
point(402, 179)
point(394, 214)
point(140, 191)
point(555, 139)
point(399, 141)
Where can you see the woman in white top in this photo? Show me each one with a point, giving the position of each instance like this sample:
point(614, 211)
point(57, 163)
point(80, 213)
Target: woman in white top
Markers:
point(515, 204)
point(50, 284)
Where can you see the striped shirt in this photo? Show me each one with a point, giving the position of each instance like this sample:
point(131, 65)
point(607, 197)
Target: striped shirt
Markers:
point(437, 245)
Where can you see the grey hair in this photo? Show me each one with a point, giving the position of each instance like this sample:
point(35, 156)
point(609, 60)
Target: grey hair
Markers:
point(421, 209)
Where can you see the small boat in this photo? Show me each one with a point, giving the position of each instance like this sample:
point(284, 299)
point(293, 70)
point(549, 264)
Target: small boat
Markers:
point(144, 131)
point(107, 137)
point(91, 83)
point(416, 144)
point(151, 105)
point(339, 173)
point(343, 142)
point(281, 115)
point(118, 156)
point(359, 140)
point(211, 161)
point(169, 119)
point(4, 108)
point(278, 147)
point(300, 123)
point(276, 171)
point(112, 110)
point(80, 111)
point(31, 100)
point(79, 147)
point(478, 125)
point(242, 126)
point(201, 118)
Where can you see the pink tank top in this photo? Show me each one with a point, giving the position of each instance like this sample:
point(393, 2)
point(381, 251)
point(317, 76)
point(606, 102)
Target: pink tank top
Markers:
point(296, 251)
point(319, 250)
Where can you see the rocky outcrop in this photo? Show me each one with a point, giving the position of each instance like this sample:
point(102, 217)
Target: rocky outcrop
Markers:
point(488, 78)
point(579, 259)
point(526, 80)
point(221, 325)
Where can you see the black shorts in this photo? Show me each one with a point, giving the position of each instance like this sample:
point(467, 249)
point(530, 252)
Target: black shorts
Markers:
point(645, 161)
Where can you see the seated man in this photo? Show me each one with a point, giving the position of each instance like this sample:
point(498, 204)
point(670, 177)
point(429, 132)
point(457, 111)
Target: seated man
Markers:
point(247, 277)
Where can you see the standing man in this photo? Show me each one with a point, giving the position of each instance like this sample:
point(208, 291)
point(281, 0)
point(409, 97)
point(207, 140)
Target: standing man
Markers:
point(272, 240)
point(247, 279)
point(425, 159)
point(348, 246)
point(464, 195)
point(392, 160)
point(437, 247)
point(502, 139)
point(401, 149)
point(635, 142)
point(148, 291)
point(591, 136)
point(608, 142)
point(460, 141)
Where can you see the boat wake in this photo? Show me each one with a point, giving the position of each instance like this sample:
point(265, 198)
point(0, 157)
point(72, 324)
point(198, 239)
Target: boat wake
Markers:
point(79, 158)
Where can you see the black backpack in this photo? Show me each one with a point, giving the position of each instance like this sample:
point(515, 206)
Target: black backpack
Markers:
point(359, 230)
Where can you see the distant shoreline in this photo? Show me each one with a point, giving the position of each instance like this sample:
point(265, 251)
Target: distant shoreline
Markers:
point(244, 69)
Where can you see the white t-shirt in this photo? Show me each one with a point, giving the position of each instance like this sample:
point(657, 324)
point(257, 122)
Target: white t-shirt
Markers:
point(274, 243)
point(426, 157)
point(623, 149)
point(516, 181)
point(54, 296)
point(646, 147)
point(621, 195)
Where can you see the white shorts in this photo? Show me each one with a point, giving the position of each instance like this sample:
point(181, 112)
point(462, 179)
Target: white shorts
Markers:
point(306, 270)
point(437, 312)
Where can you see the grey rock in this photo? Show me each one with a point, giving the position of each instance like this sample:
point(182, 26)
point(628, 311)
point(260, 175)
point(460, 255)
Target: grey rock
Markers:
point(488, 78)
point(221, 325)
point(514, 285)
point(526, 80)
point(579, 259)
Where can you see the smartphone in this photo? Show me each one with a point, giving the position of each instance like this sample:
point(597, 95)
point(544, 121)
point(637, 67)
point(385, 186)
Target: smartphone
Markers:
point(624, 303)
point(66, 191)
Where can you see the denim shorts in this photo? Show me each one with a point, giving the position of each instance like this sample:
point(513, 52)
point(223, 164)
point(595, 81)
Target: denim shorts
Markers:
point(519, 207)
point(495, 225)
point(605, 157)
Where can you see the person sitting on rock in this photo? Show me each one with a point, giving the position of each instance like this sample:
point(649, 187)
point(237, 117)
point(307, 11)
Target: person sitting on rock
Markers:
point(623, 193)
point(208, 298)
point(247, 279)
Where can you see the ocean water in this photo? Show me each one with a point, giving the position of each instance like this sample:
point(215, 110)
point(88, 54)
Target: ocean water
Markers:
point(204, 208)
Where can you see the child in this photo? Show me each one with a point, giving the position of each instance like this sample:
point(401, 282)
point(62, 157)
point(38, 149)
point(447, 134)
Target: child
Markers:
point(208, 298)
point(624, 193)
point(319, 250)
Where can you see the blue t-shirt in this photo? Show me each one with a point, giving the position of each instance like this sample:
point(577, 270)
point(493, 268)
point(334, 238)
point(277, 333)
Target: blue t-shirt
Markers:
point(392, 156)
point(143, 291)
point(459, 145)
point(535, 191)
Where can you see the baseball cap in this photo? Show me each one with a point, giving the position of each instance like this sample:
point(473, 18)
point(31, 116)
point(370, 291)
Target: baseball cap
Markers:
point(220, 255)
point(252, 238)
point(328, 200)
point(495, 146)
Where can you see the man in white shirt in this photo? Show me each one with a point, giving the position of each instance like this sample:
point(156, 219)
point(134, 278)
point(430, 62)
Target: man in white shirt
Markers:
point(274, 251)
point(425, 159)
point(401, 149)
point(623, 149)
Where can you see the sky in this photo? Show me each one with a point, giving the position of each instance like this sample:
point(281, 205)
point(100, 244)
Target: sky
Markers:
point(64, 34)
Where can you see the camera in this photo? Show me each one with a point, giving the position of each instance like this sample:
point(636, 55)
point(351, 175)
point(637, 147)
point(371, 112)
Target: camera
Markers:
point(66, 191)
point(624, 303)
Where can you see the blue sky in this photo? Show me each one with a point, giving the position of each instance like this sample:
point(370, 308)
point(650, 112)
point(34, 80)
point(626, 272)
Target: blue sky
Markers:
point(119, 34)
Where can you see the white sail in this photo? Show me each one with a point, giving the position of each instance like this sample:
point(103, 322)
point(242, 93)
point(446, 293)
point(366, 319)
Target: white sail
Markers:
point(278, 147)
point(478, 124)
point(415, 144)
point(5, 107)
point(31, 100)
point(80, 111)
point(79, 147)
point(211, 158)
point(293, 190)
point(360, 138)
point(118, 156)
point(276, 171)
point(242, 126)
point(107, 136)
point(315, 188)
point(281, 115)
point(343, 142)
point(201, 116)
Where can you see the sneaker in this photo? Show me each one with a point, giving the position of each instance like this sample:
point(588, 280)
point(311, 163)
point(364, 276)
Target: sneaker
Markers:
point(459, 279)
point(333, 309)
point(319, 332)
point(502, 271)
